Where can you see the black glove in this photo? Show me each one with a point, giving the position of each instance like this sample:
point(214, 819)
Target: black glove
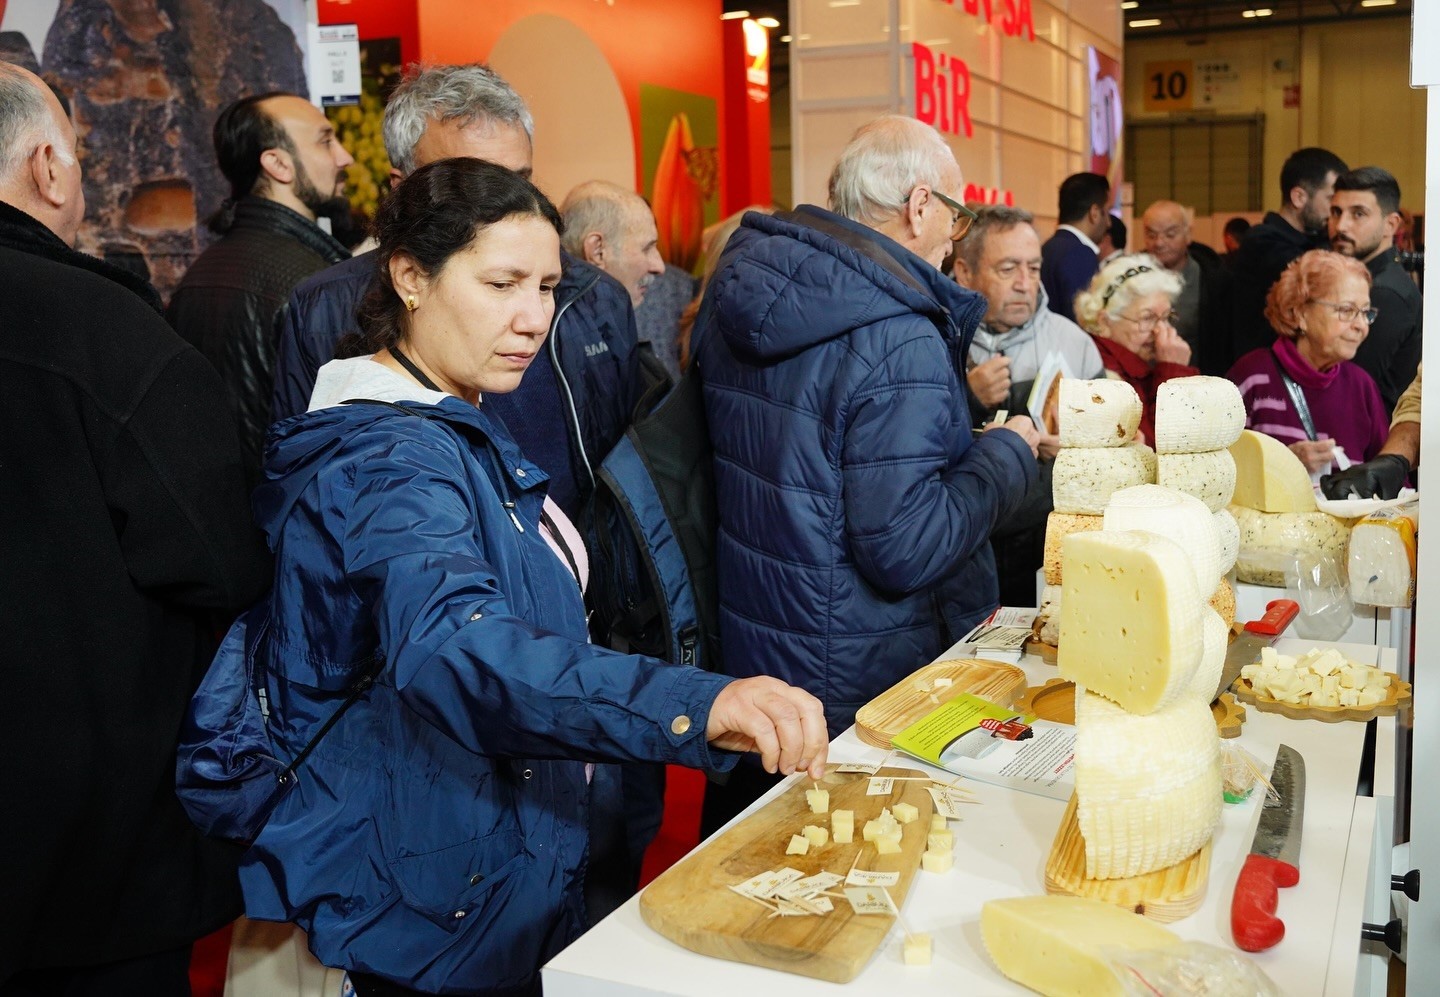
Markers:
point(1379, 478)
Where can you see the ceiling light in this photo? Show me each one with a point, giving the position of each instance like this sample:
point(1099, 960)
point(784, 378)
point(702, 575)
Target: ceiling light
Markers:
point(734, 15)
point(1130, 4)
point(1145, 22)
point(784, 39)
point(1257, 12)
point(767, 22)
point(1377, 3)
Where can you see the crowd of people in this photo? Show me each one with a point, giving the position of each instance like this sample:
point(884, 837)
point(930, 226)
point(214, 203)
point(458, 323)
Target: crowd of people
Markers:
point(375, 469)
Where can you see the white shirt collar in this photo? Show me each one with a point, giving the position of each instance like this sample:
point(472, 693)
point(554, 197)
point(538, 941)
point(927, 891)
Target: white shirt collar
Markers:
point(1082, 237)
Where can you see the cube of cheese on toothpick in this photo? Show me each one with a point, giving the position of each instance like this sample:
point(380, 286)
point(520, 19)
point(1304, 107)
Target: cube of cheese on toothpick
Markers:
point(819, 800)
point(917, 951)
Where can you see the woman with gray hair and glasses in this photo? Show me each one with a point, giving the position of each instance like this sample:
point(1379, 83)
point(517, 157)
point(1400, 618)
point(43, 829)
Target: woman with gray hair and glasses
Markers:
point(1129, 309)
point(1303, 389)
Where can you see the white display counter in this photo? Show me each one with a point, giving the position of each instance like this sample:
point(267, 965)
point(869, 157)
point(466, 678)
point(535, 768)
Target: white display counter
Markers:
point(1000, 851)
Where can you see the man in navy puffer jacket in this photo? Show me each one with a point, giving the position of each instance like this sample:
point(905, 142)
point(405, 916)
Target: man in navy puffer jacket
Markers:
point(855, 504)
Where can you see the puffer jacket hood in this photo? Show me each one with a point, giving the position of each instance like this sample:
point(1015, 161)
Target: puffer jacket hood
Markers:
point(855, 506)
point(777, 285)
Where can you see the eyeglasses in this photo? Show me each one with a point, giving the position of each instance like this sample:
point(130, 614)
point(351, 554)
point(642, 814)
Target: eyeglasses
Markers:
point(964, 217)
point(1146, 321)
point(1347, 312)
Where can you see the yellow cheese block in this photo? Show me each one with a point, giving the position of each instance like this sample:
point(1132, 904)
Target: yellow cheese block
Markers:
point(1058, 526)
point(1268, 475)
point(1130, 613)
point(1054, 945)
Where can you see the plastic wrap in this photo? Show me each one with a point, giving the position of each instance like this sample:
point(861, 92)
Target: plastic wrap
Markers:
point(1270, 540)
point(1191, 969)
point(1382, 557)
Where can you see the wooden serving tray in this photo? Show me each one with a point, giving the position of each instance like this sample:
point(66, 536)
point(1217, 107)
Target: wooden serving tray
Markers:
point(1164, 895)
point(1055, 700)
point(906, 702)
point(1398, 699)
point(692, 905)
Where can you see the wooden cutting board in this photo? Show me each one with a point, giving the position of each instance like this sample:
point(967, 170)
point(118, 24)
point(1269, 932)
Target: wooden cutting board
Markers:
point(910, 699)
point(1055, 700)
point(1164, 895)
point(1396, 699)
point(691, 903)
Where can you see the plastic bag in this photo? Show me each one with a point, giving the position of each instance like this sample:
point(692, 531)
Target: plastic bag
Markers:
point(1190, 969)
point(1319, 582)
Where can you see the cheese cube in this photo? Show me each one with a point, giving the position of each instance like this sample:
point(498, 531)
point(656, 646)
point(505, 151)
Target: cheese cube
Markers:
point(933, 861)
point(940, 841)
point(906, 812)
point(819, 800)
point(1130, 614)
point(842, 826)
point(1349, 697)
point(917, 950)
point(817, 836)
point(888, 845)
point(1369, 696)
point(799, 845)
point(937, 822)
point(1055, 945)
point(1268, 475)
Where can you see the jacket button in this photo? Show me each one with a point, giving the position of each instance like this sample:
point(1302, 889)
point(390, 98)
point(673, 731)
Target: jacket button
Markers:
point(519, 472)
point(476, 880)
point(680, 724)
point(475, 616)
point(459, 914)
point(526, 774)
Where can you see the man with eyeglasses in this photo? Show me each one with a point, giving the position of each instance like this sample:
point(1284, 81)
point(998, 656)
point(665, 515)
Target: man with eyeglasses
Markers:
point(1202, 311)
point(1364, 215)
point(855, 503)
point(1000, 258)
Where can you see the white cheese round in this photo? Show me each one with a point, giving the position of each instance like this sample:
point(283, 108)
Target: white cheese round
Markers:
point(1195, 414)
point(1084, 479)
point(1229, 533)
point(1214, 642)
point(1209, 476)
point(1099, 413)
point(1170, 513)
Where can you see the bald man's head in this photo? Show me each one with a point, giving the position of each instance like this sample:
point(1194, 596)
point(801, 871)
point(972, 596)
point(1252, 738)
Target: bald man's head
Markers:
point(1165, 227)
point(39, 165)
point(613, 228)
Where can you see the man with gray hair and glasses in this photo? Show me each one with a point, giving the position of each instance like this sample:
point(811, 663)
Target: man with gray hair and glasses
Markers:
point(855, 503)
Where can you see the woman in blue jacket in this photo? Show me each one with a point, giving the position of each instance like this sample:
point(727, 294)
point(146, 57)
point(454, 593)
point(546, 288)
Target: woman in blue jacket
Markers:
point(435, 840)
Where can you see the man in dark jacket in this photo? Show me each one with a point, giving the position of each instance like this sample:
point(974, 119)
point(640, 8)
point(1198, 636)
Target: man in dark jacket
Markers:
point(1364, 214)
point(1307, 181)
point(1202, 310)
point(1070, 257)
point(855, 507)
point(286, 169)
point(127, 544)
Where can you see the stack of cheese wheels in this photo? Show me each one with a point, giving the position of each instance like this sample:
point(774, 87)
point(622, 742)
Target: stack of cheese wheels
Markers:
point(1144, 652)
point(1097, 457)
point(1196, 421)
point(1274, 509)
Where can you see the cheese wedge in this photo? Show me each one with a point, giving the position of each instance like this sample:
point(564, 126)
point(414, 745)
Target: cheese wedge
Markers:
point(1268, 475)
point(1130, 616)
point(1058, 526)
point(1084, 480)
point(1100, 413)
point(1181, 517)
point(1195, 414)
point(1055, 945)
point(1209, 476)
point(1148, 788)
point(1382, 557)
point(1229, 533)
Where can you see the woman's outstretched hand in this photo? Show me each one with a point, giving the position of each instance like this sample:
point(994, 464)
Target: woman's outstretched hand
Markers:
point(785, 725)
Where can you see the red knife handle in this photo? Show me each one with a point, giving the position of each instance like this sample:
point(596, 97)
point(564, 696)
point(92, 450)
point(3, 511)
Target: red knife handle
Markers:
point(1279, 614)
point(1257, 895)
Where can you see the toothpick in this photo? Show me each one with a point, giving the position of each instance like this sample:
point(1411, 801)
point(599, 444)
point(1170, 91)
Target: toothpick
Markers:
point(750, 896)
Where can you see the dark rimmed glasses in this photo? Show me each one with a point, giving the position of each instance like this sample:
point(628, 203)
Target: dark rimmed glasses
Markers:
point(964, 217)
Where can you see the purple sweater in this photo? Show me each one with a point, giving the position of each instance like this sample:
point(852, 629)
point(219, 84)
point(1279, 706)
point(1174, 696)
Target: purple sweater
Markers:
point(1344, 401)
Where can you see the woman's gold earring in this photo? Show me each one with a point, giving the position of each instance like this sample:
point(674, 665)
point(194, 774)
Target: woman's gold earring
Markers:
point(410, 303)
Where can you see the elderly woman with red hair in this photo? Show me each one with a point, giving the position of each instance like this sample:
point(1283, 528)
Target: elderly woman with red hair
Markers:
point(1303, 390)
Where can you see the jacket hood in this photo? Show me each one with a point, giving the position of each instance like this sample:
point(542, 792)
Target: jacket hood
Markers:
point(777, 284)
point(992, 342)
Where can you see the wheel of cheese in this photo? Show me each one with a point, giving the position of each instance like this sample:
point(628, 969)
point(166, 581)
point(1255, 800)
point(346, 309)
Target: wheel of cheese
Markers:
point(1183, 518)
point(1268, 475)
point(1099, 413)
point(1270, 541)
point(1214, 642)
point(1229, 534)
point(1209, 476)
point(1223, 602)
point(1084, 479)
point(1195, 414)
point(1130, 616)
point(1148, 788)
point(1058, 526)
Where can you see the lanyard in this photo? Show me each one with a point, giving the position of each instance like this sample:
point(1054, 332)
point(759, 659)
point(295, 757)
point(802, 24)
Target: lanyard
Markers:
point(415, 372)
point(1297, 398)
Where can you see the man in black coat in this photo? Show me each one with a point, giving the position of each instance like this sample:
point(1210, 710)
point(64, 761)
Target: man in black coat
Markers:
point(1307, 181)
point(1202, 310)
point(1070, 258)
point(127, 546)
point(286, 169)
point(1364, 214)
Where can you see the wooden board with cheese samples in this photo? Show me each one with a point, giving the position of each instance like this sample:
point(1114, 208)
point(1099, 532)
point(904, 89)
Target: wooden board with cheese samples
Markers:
point(699, 905)
point(1320, 685)
point(910, 699)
